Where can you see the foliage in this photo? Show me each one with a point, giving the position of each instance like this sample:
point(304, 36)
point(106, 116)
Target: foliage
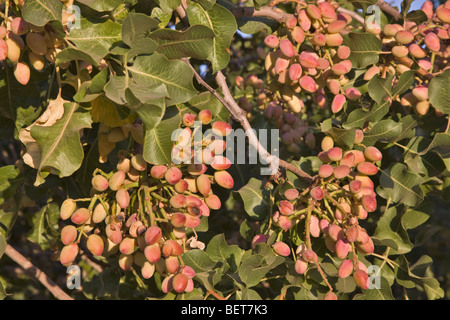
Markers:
point(116, 129)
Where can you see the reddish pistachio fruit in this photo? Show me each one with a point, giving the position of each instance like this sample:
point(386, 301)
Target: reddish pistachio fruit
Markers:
point(352, 233)
point(327, 11)
point(365, 248)
point(213, 202)
point(301, 266)
point(116, 181)
point(404, 37)
point(221, 128)
point(286, 208)
point(152, 235)
point(367, 168)
point(13, 49)
point(220, 163)
point(127, 245)
point(308, 59)
point(348, 159)
point(95, 244)
point(352, 94)
point(334, 39)
point(69, 234)
point(113, 233)
point(152, 253)
point(343, 52)
point(271, 41)
point(138, 162)
point(400, 51)
point(420, 93)
point(81, 216)
point(361, 279)
point(3, 49)
point(125, 261)
point(172, 248)
point(281, 248)
point(325, 171)
point(327, 143)
point(188, 119)
point(172, 264)
point(19, 26)
point(355, 186)
point(298, 34)
point(359, 136)
point(205, 116)
point(123, 198)
point(224, 179)
point(100, 183)
point(22, 73)
point(316, 193)
point(295, 71)
point(338, 103)
point(178, 201)
point(341, 171)
point(342, 248)
point(443, 13)
point(309, 255)
point(180, 282)
point(178, 219)
point(158, 172)
point(371, 72)
point(330, 296)
point(313, 12)
point(287, 48)
point(372, 154)
point(307, 83)
point(369, 203)
point(335, 154)
point(314, 227)
point(336, 26)
point(318, 40)
point(68, 254)
point(203, 184)
point(416, 51)
point(291, 194)
point(335, 232)
point(181, 186)
point(67, 208)
point(173, 175)
point(345, 269)
point(36, 43)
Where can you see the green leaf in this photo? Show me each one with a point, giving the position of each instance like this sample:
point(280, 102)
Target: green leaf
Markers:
point(158, 140)
point(385, 130)
point(342, 137)
point(195, 42)
point(402, 185)
point(223, 24)
point(219, 250)
point(59, 144)
point(380, 88)
point(255, 267)
point(10, 179)
point(206, 4)
point(43, 225)
point(255, 198)
point(365, 49)
point(175, 75)
point(96, 38)
point(414, 217)
point(102, 5)
point(40, 12)
point(70, 54)
point(417, 16)
point(390, 232)
point(2, 246)
point(136, 26)
point(357, 118)
point(382, 293)
point(408, 279)
point(203, 266)
point(439, 92)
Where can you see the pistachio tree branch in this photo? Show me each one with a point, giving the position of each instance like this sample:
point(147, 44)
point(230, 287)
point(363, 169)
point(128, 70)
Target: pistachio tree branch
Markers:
point(240, 116)
point(388, 9)
point(264, 12)
point(18, 258)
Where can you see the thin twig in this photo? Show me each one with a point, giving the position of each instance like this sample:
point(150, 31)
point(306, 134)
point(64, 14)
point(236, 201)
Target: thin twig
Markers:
point(57, 292)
